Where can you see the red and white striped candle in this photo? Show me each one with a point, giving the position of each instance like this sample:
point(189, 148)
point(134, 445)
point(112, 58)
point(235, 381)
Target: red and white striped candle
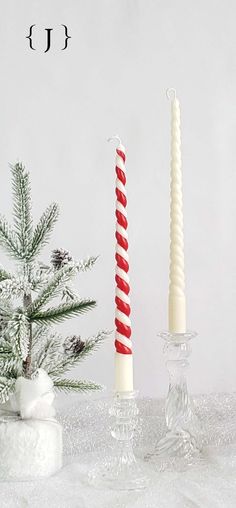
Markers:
point(123, 344)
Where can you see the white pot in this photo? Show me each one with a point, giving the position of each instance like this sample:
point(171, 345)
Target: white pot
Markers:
point(30, 449)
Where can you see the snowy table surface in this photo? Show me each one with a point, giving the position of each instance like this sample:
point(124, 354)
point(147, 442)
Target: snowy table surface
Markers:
point(209, 484)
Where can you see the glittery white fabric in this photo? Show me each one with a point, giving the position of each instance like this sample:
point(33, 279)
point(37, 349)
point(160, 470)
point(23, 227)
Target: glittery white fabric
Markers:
point(30, 449)
point(211, 483)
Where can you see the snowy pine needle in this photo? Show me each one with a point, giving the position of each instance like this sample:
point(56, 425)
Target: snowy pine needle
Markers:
point(58, 314)
point(53, 287)
point(68, 385)
point(27, 340)
point(6, 388)
point(43, 230)
point(22, 207)
point(9, 240)
point(18, 329)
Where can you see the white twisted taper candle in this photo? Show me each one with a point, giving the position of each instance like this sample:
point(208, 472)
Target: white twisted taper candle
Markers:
point(177, 301)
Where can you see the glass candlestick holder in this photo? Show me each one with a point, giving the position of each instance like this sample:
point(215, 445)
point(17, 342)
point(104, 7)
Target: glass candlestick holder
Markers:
point(181, 444)
point(120, 470)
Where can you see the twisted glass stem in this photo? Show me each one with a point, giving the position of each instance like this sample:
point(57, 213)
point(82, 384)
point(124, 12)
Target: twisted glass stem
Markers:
point(178, 410)
point(181, 440)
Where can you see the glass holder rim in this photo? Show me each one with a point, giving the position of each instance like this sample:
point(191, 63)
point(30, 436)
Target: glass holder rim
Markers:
point(177, 338)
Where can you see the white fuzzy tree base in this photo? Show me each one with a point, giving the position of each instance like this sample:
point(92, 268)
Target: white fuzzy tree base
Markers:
point(30, 449)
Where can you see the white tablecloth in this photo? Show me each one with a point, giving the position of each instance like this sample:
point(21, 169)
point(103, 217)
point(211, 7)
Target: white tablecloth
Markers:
point(209, 484)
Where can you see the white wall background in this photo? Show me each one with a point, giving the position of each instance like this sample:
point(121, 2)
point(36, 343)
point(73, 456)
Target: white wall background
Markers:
point(56, 111)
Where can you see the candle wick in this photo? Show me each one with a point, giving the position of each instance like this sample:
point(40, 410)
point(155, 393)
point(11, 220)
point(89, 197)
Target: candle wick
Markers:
point(115, 138)
point(171, 93)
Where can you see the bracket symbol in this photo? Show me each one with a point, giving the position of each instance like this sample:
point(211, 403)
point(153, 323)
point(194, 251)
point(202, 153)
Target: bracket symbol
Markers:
point(48, 30)
point(30, 37)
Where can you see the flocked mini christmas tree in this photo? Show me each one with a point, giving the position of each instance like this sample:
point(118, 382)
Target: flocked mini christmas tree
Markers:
point(36, 298)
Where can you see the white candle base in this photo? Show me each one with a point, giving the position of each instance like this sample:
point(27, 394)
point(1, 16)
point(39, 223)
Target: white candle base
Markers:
point(30, 449)
point(177, 314)
point(123, 373)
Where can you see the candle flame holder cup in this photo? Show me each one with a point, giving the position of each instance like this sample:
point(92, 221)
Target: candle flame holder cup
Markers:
point(121, 470)
point(181, 445)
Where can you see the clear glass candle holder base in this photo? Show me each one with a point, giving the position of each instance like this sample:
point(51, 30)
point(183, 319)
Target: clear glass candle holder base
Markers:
point(181, 446)
point(120, 470)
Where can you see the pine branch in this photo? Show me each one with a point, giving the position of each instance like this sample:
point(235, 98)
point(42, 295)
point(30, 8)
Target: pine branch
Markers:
point(62, 312)
point(58, 364)
point(22, 206)
point(69, 294)
point(8, 239)
point(5, 351)
point(43, 229)
point(38, 275)
point(18, 329)
point(39, 335)
point(5, 346)
point(68, 385)
point(93, 343)
point(10, 288)
point(53, 287)
point(48, 354)
point(10, 367)
point(25, 341)
point(64, 362)
point(4, 274)
point(6, 388)
point(86, 264)
point(5, 310)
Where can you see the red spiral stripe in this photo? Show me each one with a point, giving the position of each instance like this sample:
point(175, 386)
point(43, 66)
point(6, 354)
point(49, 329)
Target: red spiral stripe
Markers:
point(122, 306)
